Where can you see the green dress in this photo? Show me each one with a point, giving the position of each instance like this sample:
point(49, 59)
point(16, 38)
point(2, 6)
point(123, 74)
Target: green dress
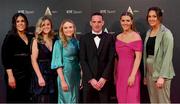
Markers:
point(67, 58)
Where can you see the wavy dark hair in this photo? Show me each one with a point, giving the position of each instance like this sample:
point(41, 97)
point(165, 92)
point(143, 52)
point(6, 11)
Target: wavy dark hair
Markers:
point(14, 18)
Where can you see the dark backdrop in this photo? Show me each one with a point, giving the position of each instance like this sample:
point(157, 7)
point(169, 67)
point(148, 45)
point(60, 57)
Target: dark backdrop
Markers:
point(80, 10)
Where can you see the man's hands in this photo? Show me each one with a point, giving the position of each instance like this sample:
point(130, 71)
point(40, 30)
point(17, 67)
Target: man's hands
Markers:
point(94, 84)
point(98, 85)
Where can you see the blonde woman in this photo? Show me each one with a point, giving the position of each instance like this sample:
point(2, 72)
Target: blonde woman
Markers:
point(44, 79)
point(66, 61)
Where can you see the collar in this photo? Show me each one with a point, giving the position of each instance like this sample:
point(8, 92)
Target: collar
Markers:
point(96, 32)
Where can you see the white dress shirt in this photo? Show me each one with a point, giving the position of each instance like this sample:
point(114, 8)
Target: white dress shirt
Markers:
point(97, 39)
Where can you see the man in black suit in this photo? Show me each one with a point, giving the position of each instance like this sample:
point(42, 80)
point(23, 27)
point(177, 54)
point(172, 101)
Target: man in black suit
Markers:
point(97, 61)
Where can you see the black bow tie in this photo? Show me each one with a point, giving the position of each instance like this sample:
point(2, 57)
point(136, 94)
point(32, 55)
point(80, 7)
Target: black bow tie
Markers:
point(99, 35)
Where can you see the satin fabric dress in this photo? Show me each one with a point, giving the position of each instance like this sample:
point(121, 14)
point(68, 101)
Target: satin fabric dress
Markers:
point(67, 58)
point(126, 58)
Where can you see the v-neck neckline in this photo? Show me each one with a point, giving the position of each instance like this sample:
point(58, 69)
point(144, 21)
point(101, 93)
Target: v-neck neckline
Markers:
point(48, 48)
point(24, 41)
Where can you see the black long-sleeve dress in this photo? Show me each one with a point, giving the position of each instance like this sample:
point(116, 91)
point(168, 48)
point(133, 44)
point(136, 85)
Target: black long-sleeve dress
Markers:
point(16, 56)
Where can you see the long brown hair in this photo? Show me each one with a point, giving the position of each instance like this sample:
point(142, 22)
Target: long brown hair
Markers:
point(132, 18)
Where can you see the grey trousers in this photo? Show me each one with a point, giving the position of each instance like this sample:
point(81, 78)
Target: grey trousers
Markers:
point(157, 95)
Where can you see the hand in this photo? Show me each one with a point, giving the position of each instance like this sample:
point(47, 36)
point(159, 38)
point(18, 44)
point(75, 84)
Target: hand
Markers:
point(64, 86)
point(12, 82)
point(41, 82)
point(145, 81)
point(160, 82)
point(131, 80)
point(101, 82)
point(81, 85)
point(94, 84)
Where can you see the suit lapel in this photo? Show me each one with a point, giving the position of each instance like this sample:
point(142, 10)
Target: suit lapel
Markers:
point(158, 39)
point(101, 43)
point(146, 39)
point(93, 43)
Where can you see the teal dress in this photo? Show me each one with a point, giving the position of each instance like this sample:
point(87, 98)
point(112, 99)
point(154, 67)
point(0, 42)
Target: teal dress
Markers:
point(67, 58)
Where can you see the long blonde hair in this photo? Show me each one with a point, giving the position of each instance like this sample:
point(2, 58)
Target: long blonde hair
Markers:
point(61, 33)
point(38, 31)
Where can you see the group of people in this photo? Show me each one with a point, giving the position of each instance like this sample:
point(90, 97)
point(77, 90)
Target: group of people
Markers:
point(45, 68)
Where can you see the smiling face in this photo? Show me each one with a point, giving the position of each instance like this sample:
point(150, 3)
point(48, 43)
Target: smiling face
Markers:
point(126, 22)
point(46, 27)
point(20, 24)
point(97, 23)
point(153, 19)
point(68, 29)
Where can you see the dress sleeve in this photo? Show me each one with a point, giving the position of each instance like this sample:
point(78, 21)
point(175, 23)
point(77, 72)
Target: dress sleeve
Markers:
point(7, 52)
point(57, 58)
point(138, 45)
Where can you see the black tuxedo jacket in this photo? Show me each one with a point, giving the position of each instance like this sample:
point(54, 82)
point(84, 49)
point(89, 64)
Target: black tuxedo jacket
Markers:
point(97, 62)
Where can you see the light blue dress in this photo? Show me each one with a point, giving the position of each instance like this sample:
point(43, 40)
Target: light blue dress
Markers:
point(67, 58)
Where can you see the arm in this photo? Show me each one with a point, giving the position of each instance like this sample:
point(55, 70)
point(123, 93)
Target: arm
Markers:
point(64, 85)
point(168, 45)
point(11, 79)
point(131, 79)
point(83, 60)
point(137, 60)
point(35, 65)
point(7, 55)
point(57, 63)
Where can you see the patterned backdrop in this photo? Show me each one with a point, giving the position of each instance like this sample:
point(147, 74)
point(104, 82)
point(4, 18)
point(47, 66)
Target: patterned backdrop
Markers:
point(79, 11)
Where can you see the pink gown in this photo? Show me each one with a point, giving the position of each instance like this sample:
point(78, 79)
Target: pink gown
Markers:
point(126, 55)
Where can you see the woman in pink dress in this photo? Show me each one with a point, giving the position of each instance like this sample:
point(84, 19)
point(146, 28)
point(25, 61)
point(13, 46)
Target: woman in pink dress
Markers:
point(129, 51)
